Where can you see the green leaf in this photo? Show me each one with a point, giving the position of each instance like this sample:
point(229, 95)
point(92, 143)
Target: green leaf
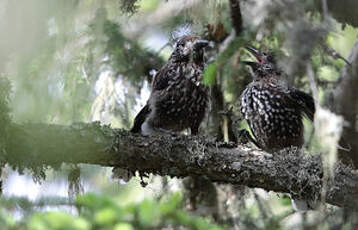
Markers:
point(210, 74)
point(57, 221)
point(285, 201)
point(148, 213)
point(170, 205)
point(123, 226)
point(148, 5)
point(106, 216)
point(94, 201)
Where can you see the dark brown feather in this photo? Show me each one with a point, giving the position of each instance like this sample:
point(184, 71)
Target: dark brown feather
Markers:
point(274, 111)
point(139, 119)
point(178, 99)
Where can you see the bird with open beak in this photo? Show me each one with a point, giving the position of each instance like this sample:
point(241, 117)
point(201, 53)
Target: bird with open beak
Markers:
point(273, 110)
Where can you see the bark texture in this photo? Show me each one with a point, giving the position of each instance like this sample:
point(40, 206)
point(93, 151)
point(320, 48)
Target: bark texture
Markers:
point(344, 13)
point(346, 104)
point(40, 146)
point(236, 17)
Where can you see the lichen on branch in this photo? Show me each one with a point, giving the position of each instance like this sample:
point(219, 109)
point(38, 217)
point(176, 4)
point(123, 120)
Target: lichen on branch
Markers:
point(38, 146)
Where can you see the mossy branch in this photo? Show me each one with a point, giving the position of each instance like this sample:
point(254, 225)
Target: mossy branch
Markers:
point(38, 146)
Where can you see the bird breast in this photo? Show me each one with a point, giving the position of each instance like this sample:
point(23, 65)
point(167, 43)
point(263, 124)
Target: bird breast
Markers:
point(183, 102)
point(271, 115)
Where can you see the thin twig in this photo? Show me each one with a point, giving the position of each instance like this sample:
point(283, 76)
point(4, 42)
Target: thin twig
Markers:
point(312, 80)
point(333, 53)
point(325, 10)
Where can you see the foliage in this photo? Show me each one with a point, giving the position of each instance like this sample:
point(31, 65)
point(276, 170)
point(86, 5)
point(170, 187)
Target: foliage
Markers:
point(5, 89)
point(102, 212)
point(129, 6)
point(210, 74)
point(126, 55)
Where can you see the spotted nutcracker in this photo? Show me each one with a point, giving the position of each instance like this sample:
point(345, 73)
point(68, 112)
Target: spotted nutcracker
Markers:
point(273, 110)
point(178, 99)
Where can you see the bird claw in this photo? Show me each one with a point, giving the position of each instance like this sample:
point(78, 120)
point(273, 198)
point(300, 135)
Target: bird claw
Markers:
point(244, 137)
point(167, 132)
point(228, 145)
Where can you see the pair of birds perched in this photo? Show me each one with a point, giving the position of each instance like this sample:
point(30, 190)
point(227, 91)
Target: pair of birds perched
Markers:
point(179, 100)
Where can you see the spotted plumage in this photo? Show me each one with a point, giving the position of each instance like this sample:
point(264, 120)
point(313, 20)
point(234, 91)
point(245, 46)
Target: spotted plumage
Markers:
point(273, 110)
point(178, 99)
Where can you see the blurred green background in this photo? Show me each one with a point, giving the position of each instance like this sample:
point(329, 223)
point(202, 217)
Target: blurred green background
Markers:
point(86, 60)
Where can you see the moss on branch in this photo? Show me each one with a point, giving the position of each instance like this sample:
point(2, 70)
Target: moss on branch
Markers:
point(39, 146)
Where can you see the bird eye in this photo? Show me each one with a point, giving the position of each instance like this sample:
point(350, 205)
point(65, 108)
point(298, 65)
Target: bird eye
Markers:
point(181, 44)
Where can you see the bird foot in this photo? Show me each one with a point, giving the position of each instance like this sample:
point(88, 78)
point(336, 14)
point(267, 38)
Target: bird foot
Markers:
point(148, 130)
point(228, 145)
point(166, 132)
point(244, 138)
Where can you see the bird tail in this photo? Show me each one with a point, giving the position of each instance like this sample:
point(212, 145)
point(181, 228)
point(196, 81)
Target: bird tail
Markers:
point(306, 102)
point(140, 118)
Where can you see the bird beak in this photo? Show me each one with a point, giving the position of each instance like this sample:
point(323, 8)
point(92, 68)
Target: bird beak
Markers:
point(199, 44)
point(253, 65)
point(255, 52)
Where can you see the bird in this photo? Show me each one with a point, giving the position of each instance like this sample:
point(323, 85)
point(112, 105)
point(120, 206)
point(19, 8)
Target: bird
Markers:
point(273, 110)
point(178, 99)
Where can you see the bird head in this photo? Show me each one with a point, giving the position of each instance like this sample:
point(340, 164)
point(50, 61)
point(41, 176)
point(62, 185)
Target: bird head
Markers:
point(261, 57)
point(189, 48)
point(264, 65)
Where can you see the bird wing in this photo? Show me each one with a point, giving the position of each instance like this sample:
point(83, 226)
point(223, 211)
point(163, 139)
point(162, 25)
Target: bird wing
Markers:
point(161, 79)
point(253, 139)
point(140, 118)
point(160, 82)
point(304, 100)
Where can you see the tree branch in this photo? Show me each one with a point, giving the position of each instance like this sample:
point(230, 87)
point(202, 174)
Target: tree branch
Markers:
point(41, 145)
point(346, 102)
point(236, 17)
point(344, 11)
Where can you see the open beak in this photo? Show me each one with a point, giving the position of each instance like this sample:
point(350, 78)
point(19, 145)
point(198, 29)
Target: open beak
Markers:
point(200, 44)
point(255, 52)
point(252, 64)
